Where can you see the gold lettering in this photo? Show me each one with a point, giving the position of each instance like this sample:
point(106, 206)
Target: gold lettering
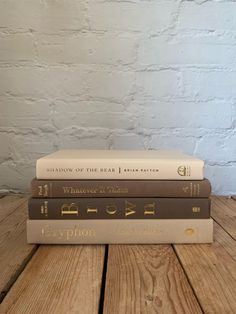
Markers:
point(66, 234)
point(92, 210)
point(196, 209)
point(149, 209)
point(69, 209)
point(44, 208)
point(67, 189)
point(69, 234)
point(129, 208)
point(111, 209)
point(40, 190)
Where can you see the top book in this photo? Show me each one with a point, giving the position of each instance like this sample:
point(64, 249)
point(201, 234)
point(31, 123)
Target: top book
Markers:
point(119, 164)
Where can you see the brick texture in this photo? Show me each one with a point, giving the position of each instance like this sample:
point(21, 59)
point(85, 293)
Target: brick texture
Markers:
point(140, 74)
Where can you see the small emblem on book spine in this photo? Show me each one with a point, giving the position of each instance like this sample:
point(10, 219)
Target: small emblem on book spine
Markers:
point(184, 171)
point(44, 208)
point(43, 190)
point(196, 209)
point(189, 232)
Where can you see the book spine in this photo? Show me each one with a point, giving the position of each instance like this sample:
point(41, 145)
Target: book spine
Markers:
point(120, 231)
point(134, 169)
point(119, 208)
point(120, 188)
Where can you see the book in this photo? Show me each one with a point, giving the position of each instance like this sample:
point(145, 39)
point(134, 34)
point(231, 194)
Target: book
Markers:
point(120, 188)
point(119, 208)
point(119, 164)
point(120, 231)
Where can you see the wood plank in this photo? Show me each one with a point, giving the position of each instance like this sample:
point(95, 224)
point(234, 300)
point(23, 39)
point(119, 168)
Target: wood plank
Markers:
point(234, 197)
point(10, 203)
point(147, 279)
point(223, 211)
point(59, 279)
point(14, 251)
point(211, 270)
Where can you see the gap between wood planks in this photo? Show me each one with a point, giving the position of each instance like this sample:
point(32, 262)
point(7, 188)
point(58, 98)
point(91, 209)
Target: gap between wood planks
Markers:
point(186, 275)
point(103, 285)
point(17, 274)
point(18, 265)
point(225, 230)
point(107, 273)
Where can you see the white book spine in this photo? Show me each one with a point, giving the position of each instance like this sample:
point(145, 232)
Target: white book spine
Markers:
point(132, 169)
point(120, 231)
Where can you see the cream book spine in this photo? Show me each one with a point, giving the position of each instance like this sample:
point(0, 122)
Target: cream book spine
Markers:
point(137, 165)
point(120, 231)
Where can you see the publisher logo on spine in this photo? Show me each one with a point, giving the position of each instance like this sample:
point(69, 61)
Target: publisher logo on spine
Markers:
point(184, 171)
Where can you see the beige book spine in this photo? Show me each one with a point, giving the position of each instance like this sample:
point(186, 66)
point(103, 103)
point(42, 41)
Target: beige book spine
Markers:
point(120, 231)
point(102, 169)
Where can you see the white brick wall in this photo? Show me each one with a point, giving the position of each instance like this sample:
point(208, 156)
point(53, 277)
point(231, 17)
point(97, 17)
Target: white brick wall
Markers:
point(120, 75)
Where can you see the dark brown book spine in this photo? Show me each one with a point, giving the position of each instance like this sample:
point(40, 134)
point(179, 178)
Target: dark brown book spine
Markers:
point(119, 208)
point(120, 188)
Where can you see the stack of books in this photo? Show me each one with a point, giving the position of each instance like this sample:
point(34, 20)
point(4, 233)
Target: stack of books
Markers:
point(112, 196)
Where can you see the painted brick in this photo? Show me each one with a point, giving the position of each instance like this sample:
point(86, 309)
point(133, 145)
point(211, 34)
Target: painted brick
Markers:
point(171, 141)
point(28, 114)
point(29, 149)
point(203, 37)
point(25, 48)
point(6, 145)
point(155, 84)
point(86, 49)
point(210, 15)
point(45, 16)
point(82, 143)
point(222, 179)
point(159, 51)
point(113, 86)
point(64, 82)
point(94, 120)
point(128, 141)
point(180, 114)
point(87, 106)
point(132, 16)
point(22, 173)
point(42, 82)
point(209, 84)
point(217, 148)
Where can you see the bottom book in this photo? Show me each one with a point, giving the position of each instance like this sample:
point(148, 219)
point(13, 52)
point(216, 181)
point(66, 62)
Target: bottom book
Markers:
point(120, 231)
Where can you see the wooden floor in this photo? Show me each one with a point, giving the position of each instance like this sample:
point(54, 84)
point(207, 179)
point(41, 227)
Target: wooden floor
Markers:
point(125, 279)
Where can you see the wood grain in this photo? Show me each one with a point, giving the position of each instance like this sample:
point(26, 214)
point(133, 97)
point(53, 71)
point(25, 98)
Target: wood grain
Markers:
point(14, 251)
point(223, 211)
point(10, 203)
point(146, 279)
point(59, 279)
point(211, 270)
